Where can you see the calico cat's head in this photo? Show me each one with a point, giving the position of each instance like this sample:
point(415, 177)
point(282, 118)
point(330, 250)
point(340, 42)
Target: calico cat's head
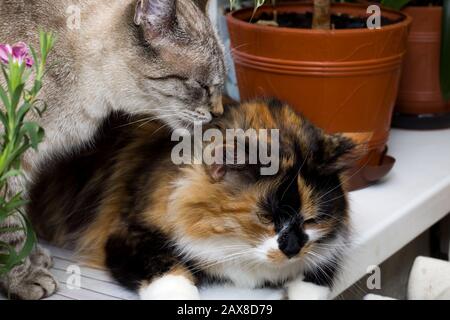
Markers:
point(231, 218)
point(176, 71)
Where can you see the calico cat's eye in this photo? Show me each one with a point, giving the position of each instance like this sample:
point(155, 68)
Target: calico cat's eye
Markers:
point(265, 218)
point(310, 222)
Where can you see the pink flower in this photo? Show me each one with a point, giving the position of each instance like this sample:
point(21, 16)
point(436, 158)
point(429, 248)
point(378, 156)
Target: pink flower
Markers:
point(19, 53)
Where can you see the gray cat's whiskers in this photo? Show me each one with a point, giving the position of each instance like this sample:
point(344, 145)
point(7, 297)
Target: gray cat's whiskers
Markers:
point(146, 120)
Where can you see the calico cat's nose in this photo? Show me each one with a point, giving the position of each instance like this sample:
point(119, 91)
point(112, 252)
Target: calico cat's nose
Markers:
point(291, 242)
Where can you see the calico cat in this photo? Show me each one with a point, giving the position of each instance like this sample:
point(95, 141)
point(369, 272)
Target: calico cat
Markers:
point(156, 57)
point(162, 229)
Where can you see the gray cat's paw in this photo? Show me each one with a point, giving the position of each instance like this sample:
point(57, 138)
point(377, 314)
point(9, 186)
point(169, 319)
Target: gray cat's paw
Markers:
point(38, 284)
point(41, 257)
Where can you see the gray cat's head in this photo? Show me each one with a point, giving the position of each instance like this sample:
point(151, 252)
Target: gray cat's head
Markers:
point(176, 71)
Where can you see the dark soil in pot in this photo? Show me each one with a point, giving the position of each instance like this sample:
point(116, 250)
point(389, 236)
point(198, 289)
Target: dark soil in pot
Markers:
point(415, 3)
point(304, 20)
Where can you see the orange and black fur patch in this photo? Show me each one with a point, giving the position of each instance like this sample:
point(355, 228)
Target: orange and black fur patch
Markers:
point(125, 206)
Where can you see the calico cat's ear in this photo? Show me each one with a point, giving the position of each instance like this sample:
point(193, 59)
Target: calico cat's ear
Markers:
point(217, 172)
point(156, 15)
point(344, 150)
point(223, 157)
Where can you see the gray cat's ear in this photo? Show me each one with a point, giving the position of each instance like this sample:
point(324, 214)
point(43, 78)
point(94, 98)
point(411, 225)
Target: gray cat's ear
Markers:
point(158, 15)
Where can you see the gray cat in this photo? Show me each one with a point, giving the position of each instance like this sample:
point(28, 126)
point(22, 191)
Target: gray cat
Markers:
point(155, 57)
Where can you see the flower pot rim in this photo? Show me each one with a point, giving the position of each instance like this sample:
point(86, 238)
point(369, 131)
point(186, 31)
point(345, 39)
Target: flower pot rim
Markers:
point(422, 8)
point(231, 17)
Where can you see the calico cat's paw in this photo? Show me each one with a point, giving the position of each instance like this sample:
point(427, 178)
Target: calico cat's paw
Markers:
point(301, 290)
point(170, 287)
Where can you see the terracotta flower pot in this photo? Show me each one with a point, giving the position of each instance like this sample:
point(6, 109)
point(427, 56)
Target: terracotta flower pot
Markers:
point(342, 80)
point(420, 103)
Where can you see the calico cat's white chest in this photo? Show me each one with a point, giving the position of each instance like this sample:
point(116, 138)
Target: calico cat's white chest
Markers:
point(246, 274)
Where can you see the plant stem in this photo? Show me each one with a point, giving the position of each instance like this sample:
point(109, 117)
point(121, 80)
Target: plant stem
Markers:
point(321, 16)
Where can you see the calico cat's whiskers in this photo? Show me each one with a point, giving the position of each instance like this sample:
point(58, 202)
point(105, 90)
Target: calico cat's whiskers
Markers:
point(202, 266)
point(333, 199)
point(317, 270)
point(232, 254)
point(319, 245)
point(347, 178)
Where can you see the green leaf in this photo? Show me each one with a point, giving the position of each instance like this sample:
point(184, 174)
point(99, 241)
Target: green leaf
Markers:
point(11, 258)
point(15, 203)
point(11, 173)
point(43, 43)
point(17, 95)
point(445, 52)
point(47, 42)
point(11, 229)
point(34, 132)
point(31, 238)
point(4, 72)
point(395, 4)
point(51, 40)
point(36, 59)
point(3, 119)
point(22, 111)
point(4, 97)
point(14, 159)
point(37, 86)
point(6, 259)
point(40, 107)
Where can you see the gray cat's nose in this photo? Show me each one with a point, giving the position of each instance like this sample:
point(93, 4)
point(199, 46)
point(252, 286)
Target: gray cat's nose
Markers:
point(203, 115)
point(217, 106)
